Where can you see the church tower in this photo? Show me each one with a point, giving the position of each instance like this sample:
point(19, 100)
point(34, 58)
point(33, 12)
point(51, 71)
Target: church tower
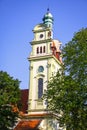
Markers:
point(45, 61)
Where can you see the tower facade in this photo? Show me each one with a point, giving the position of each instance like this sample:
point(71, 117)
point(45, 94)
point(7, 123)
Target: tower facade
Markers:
point(45, 61)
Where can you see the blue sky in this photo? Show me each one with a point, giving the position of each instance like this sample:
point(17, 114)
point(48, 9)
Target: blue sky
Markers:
point(17, 20)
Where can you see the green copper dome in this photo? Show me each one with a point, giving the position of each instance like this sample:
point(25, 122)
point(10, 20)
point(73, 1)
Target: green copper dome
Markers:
point(48, 19)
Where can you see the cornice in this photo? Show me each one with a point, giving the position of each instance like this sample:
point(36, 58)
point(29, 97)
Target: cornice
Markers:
point(39, 30)
point(43, 57)
point(41, 41)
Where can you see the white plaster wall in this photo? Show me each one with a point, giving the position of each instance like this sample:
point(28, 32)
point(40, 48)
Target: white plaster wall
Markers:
point(35, 76)
point(37, 36)
point(51, 66)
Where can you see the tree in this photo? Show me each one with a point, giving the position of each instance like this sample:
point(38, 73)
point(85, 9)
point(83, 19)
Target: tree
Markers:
point(67, 91)
point(9, 97)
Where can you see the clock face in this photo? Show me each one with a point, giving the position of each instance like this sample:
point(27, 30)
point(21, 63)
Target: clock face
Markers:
point(41, 35)
point(40, 69)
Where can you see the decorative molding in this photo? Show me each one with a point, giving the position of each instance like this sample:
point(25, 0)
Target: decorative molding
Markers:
point(41, 41)
point(31, 67)
point(48, 65)
point(40, 75)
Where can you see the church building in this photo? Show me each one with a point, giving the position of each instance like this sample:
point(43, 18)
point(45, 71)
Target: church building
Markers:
point(45, 60)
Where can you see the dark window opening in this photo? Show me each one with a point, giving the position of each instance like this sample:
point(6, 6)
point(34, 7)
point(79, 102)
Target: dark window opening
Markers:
point(40, 87)
point(41, 49)
point(44, 49)
point(37, 50)
point(41, 35)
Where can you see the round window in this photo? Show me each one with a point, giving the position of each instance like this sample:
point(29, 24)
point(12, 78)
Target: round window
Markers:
point(41, 35)
point(40, 69)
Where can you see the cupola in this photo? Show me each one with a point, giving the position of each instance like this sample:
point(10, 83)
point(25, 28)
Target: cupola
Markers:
point(48, 19)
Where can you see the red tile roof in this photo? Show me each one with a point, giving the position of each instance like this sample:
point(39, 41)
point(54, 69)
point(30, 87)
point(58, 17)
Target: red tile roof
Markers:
point(24, 100)
point(55, 47)
point(31, 122)
point(28, 125)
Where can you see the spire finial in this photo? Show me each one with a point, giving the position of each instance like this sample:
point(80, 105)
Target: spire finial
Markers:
point(48, 9)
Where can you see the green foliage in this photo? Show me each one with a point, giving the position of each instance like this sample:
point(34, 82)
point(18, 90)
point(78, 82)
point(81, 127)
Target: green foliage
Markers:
point(9, 95)
point(67, 92)
point(7, 117)
point(75, 55)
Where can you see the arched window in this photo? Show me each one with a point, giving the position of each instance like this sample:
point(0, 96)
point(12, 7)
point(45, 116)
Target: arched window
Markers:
point(37, 50)
point(44, 49)
point(40, 87)
point(41, 49)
